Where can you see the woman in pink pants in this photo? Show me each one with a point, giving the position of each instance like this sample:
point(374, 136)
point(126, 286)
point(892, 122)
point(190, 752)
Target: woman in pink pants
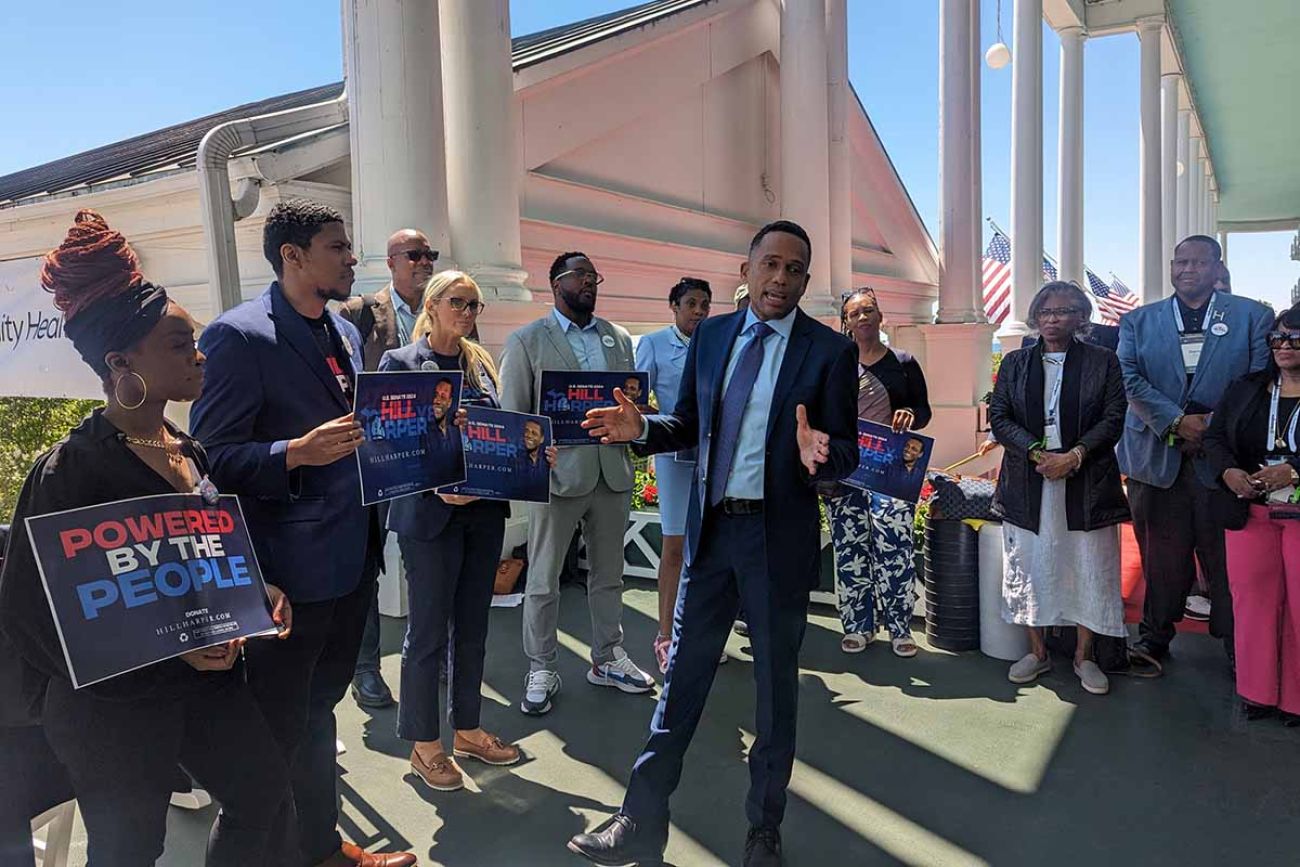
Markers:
point(1253, 445)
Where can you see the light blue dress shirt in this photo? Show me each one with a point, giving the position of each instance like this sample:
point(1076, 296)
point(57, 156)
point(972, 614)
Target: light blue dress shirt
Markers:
point(405, 316)
point(746, 479)
point(662, 355)
point(584, 341)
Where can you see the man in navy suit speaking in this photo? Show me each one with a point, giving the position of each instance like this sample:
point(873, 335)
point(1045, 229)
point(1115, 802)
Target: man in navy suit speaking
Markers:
point(769, 397)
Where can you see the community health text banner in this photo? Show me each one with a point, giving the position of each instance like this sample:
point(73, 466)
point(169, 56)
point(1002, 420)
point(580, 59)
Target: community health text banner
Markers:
point(36, 359)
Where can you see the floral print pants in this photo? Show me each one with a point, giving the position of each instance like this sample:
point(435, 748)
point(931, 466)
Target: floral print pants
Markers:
point(874, 563)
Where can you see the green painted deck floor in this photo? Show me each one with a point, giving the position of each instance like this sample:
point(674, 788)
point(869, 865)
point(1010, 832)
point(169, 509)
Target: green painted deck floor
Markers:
point(935, 760)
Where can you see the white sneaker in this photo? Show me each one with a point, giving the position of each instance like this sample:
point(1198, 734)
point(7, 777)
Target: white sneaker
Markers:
point(621, 673)
point(1028, 668)
point(1197, 608)
point(539, 686)
point(1092, 677)
point(194, 799)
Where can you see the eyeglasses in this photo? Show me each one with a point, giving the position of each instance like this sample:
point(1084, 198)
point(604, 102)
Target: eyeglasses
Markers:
point(417, 255)
point(463, 304)
point(1281, 339)
point(583, 275)
point(1057, 312)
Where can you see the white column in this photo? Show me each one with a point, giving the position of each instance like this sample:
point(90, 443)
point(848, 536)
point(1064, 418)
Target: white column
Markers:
point(1195, 185)
point(977, 161)
point(958, 276)
point(1070, 154)
point(395, 127)
point(1168, 164)
point(1207, 214)
point(1026, 163)
point(840, 174)
point(1150, 271)
point(1180, 217)
point(483, 158)
point(805, 145)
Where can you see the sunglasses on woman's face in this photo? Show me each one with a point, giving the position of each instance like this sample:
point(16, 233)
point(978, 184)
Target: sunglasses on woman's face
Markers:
point(462, 304)
point(1284, 339)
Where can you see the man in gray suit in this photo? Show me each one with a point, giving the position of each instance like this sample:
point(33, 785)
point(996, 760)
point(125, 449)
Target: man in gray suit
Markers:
point(1178, 356)
point(590, 484)
point(385, 321)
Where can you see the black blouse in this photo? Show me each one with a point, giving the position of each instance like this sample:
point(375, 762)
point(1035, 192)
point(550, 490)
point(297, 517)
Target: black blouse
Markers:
point(901, 376)
point(92, 465)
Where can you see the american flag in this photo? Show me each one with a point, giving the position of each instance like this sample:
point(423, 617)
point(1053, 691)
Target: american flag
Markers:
point(1112, 301)
point(997, 277)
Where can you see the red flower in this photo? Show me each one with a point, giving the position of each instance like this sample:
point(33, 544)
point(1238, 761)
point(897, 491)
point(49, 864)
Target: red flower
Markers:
point(650, 494)
point(927, 491)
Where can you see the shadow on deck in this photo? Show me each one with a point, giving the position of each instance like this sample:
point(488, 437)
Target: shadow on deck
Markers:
point(935, 760)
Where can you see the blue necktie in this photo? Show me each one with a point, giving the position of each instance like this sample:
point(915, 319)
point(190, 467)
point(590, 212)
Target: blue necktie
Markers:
point(733, 409)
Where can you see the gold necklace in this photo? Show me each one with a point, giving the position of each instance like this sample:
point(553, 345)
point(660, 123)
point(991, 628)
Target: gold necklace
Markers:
point(171, 447)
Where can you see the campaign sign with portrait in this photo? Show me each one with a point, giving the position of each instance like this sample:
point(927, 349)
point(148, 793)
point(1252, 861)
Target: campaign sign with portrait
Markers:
point(891, 464)
point(568, 394)
point(411, 442)
point(505, 456)
point(138, 581)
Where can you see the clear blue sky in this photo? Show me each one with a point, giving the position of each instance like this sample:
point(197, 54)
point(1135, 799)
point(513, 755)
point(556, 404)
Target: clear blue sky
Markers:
point(74, 75)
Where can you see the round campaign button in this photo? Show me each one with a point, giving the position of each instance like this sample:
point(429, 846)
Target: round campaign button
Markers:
point(1219, 329)
point(607, 341)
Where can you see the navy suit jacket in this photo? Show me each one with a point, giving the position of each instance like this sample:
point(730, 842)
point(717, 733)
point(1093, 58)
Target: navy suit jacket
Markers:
point(424, 515)
point(820, 371)
point(265, 383)
point(1155, 380)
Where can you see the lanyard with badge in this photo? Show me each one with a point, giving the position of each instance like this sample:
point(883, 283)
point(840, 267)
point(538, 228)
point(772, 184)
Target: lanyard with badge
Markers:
point(1192, 343)
point(1281, 442)
point(1052, 422)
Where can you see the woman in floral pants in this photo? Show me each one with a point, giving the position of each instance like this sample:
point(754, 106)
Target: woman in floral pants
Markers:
point(872, 534)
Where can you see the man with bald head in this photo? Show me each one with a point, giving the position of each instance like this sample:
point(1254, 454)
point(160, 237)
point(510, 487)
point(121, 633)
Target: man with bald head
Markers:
point(386, 320)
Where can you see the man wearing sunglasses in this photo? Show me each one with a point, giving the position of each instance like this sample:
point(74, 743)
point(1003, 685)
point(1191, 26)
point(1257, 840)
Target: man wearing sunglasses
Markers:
point(385, 320)
point(591, 486)
point(1178, 356)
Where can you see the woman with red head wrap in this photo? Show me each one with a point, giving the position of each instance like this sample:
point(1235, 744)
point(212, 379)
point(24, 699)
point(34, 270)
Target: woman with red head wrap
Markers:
point(121, 739)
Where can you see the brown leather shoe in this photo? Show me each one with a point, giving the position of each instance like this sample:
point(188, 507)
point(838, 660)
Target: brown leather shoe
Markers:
point(492, 751)
point(356, 855)
point(440, 774)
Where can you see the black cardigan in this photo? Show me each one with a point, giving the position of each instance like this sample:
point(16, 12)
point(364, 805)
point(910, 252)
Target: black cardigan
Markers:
point(1232, 440)
point(1092, 415)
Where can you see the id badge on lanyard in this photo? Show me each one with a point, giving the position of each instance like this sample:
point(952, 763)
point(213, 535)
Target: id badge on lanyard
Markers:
point(1192, 343)
point(1052, 416)
point(1282, 502)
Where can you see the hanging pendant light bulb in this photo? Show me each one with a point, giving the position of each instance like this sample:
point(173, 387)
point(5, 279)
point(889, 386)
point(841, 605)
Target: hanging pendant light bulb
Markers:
point(998, 54)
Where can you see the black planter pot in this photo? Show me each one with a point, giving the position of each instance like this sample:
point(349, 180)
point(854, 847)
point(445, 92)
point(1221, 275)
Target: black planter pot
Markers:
point(951, 585)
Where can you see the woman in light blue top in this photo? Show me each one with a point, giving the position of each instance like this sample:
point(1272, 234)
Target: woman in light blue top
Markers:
point(662, 354)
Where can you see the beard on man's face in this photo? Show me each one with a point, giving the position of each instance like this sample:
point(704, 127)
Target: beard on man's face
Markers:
point(334, 293)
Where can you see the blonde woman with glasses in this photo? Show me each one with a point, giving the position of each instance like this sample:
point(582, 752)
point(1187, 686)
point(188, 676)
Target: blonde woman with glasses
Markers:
point(451, 546)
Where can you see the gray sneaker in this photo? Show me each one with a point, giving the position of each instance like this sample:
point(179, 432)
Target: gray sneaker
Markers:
point(1092, 677)
point(1028, 668)
point(539, 686)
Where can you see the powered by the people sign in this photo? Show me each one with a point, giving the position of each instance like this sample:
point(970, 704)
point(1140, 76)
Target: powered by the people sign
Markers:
point(36, 360)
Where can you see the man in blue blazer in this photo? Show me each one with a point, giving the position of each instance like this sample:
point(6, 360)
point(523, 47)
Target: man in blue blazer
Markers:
point(275, 417)
point(1178, 356)
point(769, 396)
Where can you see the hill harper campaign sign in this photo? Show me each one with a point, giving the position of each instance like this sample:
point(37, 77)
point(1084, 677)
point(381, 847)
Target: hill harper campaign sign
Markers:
point(891, 464)
point(568, 394)
point(411, 440)
point(139, 581)
point(505, 456)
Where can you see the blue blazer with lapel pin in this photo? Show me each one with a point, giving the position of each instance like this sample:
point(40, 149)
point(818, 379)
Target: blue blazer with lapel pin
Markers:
point(820, 371)
point(265, 383)
point(1151, 358)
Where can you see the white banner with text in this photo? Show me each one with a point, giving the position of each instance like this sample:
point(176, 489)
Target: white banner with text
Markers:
point(36, 359)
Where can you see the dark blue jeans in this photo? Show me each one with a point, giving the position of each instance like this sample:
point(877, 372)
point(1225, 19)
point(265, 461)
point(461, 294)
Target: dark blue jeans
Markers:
point(449, 591)
point(730, 567)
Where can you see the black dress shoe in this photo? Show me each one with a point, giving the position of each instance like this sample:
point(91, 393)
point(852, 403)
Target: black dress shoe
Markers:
point(369, 690)
point(763, 847)
point(620, 841)
point(1254, 711)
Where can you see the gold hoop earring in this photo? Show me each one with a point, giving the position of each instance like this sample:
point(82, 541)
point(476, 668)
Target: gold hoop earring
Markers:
point(144, 389)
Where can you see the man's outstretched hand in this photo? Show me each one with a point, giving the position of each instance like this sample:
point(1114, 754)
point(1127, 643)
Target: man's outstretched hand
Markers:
point(814, 446)
point(620, 423)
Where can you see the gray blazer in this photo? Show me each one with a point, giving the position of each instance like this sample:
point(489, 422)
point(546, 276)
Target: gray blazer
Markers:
point(541, 345)
point(1155, 381)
